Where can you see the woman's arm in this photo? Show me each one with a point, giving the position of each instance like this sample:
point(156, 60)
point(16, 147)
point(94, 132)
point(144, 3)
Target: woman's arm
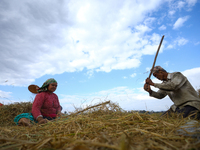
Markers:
point(58, 111)
point(37, 105)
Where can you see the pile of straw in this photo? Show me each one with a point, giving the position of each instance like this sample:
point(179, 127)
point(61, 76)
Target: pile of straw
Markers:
point(198, 92)
point(101, 127)
point(9, 112)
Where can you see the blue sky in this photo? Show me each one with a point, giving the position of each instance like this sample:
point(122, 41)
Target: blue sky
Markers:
point(96, 50)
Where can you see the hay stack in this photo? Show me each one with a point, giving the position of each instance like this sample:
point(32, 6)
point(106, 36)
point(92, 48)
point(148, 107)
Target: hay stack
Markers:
point(9, 112)
point(104, 127)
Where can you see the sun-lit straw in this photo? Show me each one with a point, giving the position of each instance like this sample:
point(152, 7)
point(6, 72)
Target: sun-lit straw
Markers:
point(101, 126)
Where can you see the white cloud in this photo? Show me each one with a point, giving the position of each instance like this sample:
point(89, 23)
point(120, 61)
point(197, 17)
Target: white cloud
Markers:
point(193, 75)
point(148, 69)
point(5, 95)
point(90, 73)
point(179, 23)
point(180, 4)
point(171, 12)
point(170, 46)
point(181, 41)
point(197, 43)
point(127, 98)
point(133, 75)
point(191, 2)
point(166, 63)
point(163, 27)
point(67, 36)
point(40, 38)
point(142, 28)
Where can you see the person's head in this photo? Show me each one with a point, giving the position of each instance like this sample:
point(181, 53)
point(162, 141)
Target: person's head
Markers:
point(159, 73)
point(52, 87)
point(49, 85)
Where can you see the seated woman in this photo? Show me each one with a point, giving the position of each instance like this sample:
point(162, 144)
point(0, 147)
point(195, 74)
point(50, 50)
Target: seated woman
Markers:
point(45, 107)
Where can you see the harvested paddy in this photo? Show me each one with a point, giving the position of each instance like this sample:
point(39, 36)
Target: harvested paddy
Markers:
point(104, 126)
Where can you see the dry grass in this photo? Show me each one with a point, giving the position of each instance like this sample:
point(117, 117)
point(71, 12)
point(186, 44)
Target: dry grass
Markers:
point(9, 112)
point(102, 127)
point(198, 92)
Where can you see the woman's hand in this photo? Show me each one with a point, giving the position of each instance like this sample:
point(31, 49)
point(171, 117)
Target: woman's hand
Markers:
point(59, 114)
point(41, 120)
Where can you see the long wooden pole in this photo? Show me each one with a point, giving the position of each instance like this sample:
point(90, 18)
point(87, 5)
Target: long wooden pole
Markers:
point(107, 102)
point(156, 56)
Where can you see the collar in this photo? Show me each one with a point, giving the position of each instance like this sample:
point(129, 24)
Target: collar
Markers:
point(169, 76)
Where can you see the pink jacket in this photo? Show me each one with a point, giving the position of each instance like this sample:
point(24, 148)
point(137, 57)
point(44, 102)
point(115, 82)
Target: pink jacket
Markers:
point(45, 104)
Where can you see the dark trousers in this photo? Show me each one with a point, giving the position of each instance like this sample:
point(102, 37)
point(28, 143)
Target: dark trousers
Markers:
point(185, 112)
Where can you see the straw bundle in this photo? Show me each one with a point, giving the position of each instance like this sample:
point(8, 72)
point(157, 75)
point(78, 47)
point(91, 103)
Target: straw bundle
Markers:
point(101, 127)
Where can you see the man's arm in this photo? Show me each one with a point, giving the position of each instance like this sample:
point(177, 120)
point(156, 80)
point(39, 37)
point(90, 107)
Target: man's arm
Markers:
point(175, 83)
point(159, 94)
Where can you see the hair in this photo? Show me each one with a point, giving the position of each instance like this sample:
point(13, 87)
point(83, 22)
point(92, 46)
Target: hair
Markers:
point(158, 68)
point(163, 70)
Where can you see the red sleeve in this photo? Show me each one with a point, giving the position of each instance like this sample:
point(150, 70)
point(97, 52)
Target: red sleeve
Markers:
point(59, 108)
point(37, 104)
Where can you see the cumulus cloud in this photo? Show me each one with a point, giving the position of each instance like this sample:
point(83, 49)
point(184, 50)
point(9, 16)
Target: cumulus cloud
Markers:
point(5, 95)
point(47, 37)
point(181, 41)
point(180, 4)
point(128, 99)
point(171, 12)
point(179, 23)
point(50, 37)
point(166, 63)
point(170, 46)
point(163, 27)
point(193, 75)
point(191, 2)
point(133, 75)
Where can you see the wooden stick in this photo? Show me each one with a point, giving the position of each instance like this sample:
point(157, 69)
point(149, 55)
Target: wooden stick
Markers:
point(156, 56)
point(107, 102)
